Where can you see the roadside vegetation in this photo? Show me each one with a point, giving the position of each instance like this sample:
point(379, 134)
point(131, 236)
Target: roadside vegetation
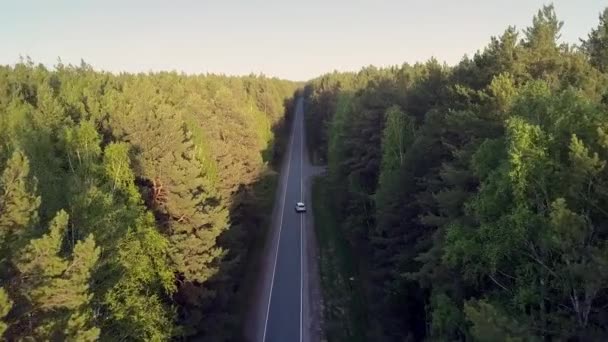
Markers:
point(343, 307)
point(474, 195)
point(131, 204)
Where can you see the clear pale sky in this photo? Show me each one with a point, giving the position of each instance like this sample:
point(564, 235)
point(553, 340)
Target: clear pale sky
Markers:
point(296, 40)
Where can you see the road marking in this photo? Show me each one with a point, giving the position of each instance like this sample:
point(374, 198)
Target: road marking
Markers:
point(276, 256)
point(301, 218)
point(301, 271)
point(301, 154)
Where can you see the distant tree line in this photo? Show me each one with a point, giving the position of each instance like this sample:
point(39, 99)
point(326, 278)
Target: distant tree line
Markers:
point(126, 201)
point(476, 196)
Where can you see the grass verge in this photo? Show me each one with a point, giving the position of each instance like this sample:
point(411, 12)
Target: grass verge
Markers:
point(344, 310)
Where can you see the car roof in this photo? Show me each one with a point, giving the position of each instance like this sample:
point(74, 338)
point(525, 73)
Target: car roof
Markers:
point(300, 203)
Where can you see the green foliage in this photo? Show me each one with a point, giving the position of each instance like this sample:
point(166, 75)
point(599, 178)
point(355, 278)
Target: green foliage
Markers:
point(489, 324)
point(81, 144)
point(474, 195)
point(117, 167)
point(136, 300)
point(160, 169)
point(179, 191)
point(397, 137)
point(447, 318)
point(18, 203)
point(5, 307)
point(343, 308)
point(503, 90)
point(58, 288)
point(596, 45)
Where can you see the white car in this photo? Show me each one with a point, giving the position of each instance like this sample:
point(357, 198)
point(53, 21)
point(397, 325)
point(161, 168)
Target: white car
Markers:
point(300, 207)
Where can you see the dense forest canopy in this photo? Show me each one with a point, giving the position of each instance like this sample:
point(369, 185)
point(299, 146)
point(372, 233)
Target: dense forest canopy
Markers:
point(128, 202)
point(476, 196)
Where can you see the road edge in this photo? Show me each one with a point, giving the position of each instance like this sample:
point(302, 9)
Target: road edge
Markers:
point(315, 295)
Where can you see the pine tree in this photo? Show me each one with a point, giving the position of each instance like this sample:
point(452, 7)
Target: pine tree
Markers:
point(179, 191)
point(545, 30)
point(596, 45)
point(57, 288)
point(76, 125)
point(181, 194)
point(18, 203)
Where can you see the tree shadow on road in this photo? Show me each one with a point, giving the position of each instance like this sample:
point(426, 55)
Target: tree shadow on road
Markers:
point(228, 296)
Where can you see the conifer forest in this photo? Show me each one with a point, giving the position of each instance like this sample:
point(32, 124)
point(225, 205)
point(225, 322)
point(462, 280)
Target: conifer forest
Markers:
point(472, 198)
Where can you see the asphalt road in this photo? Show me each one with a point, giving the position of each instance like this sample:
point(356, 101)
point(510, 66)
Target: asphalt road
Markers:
point(286, 294)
